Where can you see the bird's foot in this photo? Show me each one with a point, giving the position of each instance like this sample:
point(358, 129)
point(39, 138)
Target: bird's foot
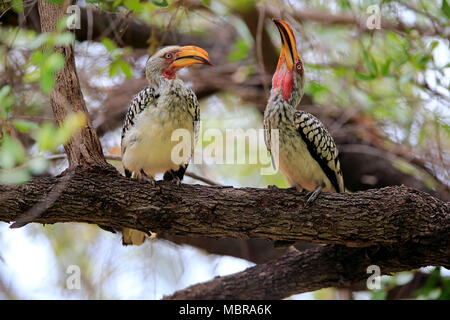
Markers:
point(148, 179)
point(313, 195)
point(152, 235)
point(176, 180)
point(272, 187)
point(151, 181)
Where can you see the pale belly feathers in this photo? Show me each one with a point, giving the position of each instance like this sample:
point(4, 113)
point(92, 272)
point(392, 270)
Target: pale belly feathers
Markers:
point(149, 143)
point(301, 170)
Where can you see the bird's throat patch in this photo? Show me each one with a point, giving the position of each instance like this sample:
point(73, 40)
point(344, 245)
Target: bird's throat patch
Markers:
point(284, 79)
point(169, 73)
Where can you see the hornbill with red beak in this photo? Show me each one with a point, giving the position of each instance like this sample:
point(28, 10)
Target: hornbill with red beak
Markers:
point(308, 156)
point(153, 115)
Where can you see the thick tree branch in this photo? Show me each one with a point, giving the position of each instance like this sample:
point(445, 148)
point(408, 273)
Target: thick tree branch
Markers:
point(313, 269)
point(387, 216)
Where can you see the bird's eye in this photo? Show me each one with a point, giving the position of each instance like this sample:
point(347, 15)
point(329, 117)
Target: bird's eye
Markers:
point(299, 66)
point(168, 56)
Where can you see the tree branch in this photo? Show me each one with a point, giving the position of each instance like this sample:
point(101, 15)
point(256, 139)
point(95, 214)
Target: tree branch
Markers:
point(313, 269)
point(387, 216)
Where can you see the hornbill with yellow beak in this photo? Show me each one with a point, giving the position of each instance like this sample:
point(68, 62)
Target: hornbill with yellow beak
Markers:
point(308, 156)
point(153, 115)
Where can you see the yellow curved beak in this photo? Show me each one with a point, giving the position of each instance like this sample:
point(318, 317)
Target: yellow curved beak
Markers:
point(189, 55)
point(288, 44)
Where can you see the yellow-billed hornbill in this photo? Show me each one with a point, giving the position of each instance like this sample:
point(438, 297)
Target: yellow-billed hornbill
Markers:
point(153, 115)
point(308, 156)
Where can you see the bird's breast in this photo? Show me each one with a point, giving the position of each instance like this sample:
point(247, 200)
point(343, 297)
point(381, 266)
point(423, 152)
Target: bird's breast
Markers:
point(294, 159)
point(157, 131)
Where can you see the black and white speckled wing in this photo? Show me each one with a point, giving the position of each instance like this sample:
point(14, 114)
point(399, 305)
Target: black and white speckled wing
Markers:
point(193, 108)
point(321, 146)
point(145, 98)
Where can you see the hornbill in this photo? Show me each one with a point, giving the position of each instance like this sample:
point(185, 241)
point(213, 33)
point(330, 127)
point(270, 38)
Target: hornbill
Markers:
point(308, 156)
point(153, 115)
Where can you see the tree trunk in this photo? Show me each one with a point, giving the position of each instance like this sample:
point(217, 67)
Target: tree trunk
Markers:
point(84, 148)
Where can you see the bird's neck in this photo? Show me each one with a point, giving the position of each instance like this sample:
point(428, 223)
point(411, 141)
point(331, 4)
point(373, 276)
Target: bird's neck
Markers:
point(278, 109)
point(287, 85)
point(161, 79)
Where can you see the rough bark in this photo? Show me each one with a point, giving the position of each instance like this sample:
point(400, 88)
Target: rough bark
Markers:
point(313, 269)
point(387, 216)
point(66, 97)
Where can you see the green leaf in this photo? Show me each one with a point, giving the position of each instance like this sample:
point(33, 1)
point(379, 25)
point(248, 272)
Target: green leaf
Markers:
point(113, 69)
point(445, 8)
point(12, 152)
point(379, 295)
point(58, 2)
point(62, 23)
point(17, 6)
point(6, 101)
point(133, 5)
point(239, 51)
point(54, 62)
point(344, 4)
point(433, 45)
point(422, 135)
point(24, 125)
point(38, 41)
point(364, 77)
point(109, 45)
point(44, 136)
point(11, 177)
point(47, 82)
point(64, 39)
point(385, 67)
point(126, 69)
point(72, 123)
point(160, 3)
point(37, 57)
point(116, 3)
point(206, 3)
point(369, 62)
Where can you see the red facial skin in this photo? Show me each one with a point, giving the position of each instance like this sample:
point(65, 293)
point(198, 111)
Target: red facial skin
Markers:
point(284, 77)
point(169, 72)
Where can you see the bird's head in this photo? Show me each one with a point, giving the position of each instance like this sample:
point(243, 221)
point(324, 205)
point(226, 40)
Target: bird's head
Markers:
point(168, 60)
point(289, 76)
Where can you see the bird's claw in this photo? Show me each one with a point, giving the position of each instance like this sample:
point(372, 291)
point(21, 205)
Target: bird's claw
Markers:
point(312, 196)
point(177, 181)
point(150, 180)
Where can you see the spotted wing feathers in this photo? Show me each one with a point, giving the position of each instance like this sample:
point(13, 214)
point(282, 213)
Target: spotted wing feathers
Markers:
point(321, 146)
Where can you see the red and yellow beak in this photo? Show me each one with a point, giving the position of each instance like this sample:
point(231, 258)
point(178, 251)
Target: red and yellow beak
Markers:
point(288, 45)
point(189, 55)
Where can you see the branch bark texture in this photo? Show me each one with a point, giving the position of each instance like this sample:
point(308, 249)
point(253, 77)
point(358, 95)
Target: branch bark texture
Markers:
point(388, 216)
point(313, 269)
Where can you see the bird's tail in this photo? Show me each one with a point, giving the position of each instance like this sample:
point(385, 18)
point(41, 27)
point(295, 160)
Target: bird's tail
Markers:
point(132, 236)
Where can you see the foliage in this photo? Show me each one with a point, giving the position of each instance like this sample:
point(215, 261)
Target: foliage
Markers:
point(15, 165)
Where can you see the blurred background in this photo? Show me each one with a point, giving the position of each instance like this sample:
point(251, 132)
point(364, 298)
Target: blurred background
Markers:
point(377, 75)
